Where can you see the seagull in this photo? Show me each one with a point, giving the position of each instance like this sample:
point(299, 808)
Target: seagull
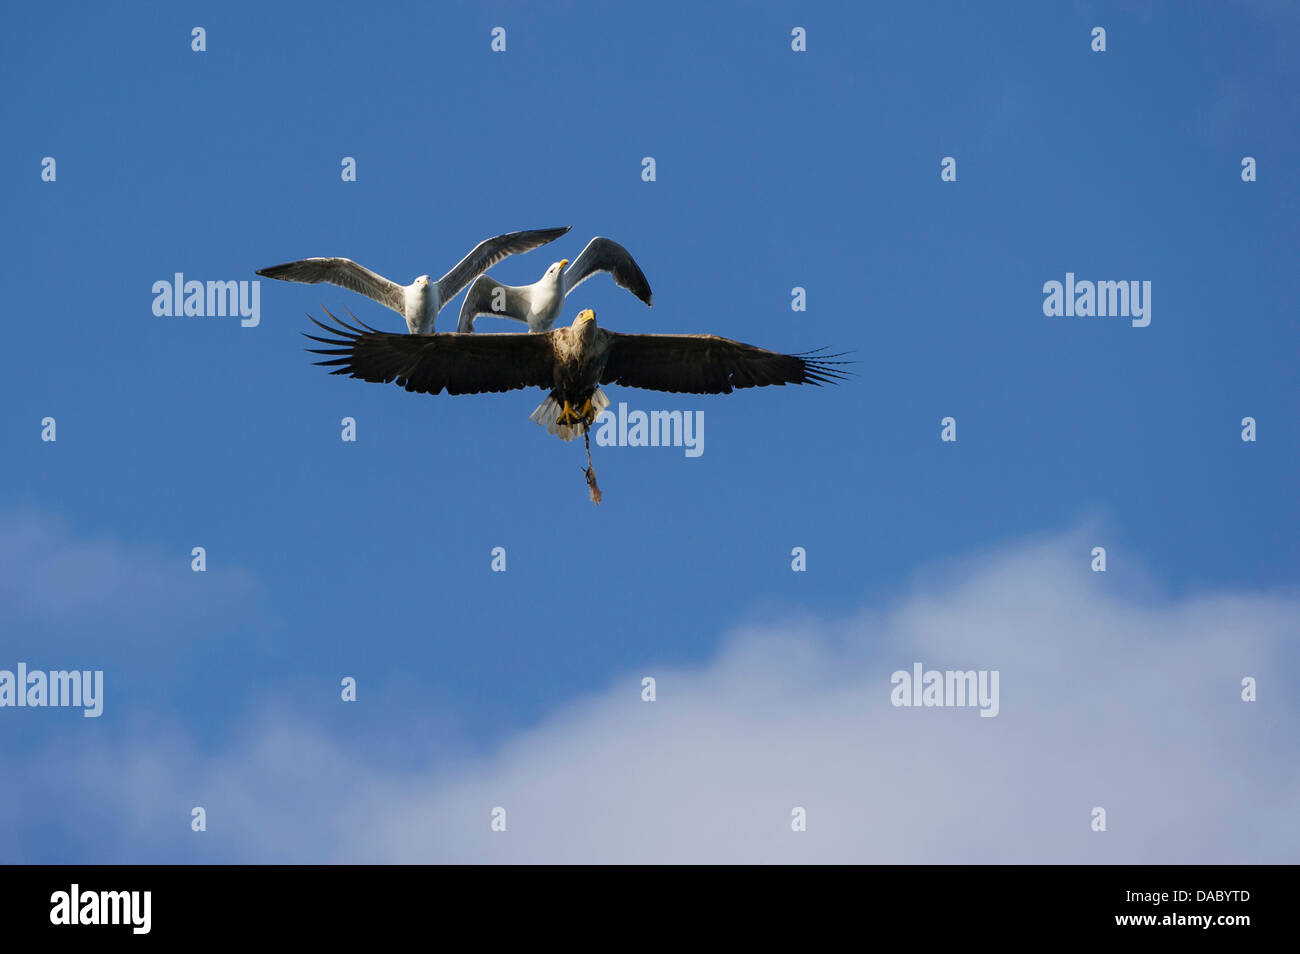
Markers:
point(420, 301)
point(540, 303)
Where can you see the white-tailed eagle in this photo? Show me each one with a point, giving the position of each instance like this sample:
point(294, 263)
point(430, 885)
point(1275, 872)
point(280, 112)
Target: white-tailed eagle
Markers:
point(569, 362)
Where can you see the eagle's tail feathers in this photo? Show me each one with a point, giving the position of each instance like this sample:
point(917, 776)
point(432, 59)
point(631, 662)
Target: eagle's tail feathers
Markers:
point(547, 415)
point(549, 411)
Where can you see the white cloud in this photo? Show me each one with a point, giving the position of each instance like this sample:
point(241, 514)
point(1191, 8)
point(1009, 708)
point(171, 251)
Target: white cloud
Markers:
point(1130, 702)
point(55, 578)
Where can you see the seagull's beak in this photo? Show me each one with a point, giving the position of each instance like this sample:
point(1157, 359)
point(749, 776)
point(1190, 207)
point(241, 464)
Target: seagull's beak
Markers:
point(563, 262)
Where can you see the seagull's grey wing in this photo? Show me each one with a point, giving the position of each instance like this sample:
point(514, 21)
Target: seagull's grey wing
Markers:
point(483, 298)
point(606, 255)
point(490, 251)
point(346, 274)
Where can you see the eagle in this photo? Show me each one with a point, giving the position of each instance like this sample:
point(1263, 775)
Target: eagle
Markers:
point(540, 303)
point(420, 301)
point(570, 363)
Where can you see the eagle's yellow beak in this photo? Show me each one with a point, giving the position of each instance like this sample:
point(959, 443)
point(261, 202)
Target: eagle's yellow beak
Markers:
point(587, 315)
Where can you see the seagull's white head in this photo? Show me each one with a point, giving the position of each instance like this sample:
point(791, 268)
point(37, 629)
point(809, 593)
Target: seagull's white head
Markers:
point(422, 280)
point(557, 268)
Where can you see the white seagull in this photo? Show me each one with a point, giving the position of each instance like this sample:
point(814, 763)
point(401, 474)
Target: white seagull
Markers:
point(420, 301)
point(540, 303)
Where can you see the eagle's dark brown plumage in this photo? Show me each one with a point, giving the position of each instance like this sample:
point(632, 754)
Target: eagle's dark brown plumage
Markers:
point(573, 360)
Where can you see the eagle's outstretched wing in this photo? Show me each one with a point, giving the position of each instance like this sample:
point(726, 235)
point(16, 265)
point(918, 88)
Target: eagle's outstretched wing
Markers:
point(707, 364)
point(455, 363)
point(606, 255)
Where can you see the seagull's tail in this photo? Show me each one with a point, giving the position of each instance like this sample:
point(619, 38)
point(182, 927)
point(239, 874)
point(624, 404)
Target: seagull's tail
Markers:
point(549, 411)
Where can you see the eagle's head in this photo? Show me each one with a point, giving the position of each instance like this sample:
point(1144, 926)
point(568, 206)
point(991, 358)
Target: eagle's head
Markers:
point(585, 324)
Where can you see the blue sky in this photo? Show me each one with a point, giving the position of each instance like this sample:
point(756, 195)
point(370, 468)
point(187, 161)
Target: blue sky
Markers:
point(775, 169)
